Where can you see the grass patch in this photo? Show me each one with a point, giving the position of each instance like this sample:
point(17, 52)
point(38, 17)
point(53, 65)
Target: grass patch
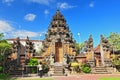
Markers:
point(110, 78)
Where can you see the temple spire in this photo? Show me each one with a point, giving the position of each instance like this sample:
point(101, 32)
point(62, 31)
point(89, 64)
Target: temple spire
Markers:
point(58, 32)
point(58, 11)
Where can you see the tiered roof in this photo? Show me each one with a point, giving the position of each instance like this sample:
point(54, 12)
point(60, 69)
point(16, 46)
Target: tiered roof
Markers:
point(58, 31)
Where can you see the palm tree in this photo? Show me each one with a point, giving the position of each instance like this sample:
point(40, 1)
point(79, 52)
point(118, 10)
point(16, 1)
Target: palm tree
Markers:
point(79, 47)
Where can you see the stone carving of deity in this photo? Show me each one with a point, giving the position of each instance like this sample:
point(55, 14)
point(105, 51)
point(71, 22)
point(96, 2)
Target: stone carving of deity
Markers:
point(65, 59)
point(51, 59)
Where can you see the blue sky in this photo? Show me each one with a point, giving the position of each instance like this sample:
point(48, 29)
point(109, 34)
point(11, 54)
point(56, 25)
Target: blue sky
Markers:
point(32, 17)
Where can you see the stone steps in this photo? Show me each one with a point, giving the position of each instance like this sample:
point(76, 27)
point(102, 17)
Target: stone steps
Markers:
point(58, 71)
point(59, 75)
point(100, 70)
point(17, 71)
point(101, 73)
point(22, 59)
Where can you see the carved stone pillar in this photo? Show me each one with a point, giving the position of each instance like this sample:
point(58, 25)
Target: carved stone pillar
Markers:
point(62, 50)
point(54, 48)
point(102, 55)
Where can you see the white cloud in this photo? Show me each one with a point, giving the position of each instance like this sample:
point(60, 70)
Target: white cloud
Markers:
point(8, 2)
point(46, 12)
point(91, 4)
point(5, 26)
point(24, 33)
point(64, 5)
point(44, 2)
point(10, 32)
point(30, 17)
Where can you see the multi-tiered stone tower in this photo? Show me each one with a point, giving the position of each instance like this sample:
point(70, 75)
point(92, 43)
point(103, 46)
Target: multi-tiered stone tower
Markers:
point(58, 46)
point(105, 52)
point(89, 51)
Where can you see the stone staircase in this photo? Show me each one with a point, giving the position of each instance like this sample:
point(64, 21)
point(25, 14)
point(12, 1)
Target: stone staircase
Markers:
point(100, 70)
point(17, 71)
point(22, 59)
point(58, 69)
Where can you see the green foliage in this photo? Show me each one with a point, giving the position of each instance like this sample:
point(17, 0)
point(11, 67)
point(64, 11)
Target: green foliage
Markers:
point(33, 62)
point(1, 68)
point(116, 61)
point(109, 78)
point(114, 40)
point(5, 49)
point(79, 47)
point(85, 65)
point(33, 70)
point(45, 68)
point(86, 68)
point(1, 36)
point(118, 67)
point(4, 76)
point(4, 45)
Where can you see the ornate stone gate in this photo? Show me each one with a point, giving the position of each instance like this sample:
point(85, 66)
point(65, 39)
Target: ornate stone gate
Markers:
point(58, 44)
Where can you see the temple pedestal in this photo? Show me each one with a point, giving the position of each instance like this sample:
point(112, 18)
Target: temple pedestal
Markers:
point(108, 63)
point(91, 62)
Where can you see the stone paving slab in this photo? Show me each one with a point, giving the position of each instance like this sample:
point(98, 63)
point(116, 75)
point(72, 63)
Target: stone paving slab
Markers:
point(85, 77)
point(77, 77)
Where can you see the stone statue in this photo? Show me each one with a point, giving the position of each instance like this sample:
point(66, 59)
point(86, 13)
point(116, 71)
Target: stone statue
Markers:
point(65, 59)
point(51, 59)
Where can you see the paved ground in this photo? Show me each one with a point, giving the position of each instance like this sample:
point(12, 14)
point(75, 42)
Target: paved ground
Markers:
point(85, 76)
point(79, 77)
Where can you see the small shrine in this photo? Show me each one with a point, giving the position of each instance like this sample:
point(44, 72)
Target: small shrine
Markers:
point(20, 55)
point(100, 55)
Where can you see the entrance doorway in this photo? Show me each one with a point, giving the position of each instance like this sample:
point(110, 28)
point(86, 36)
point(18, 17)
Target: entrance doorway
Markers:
point(98, 59)
point(58, 52)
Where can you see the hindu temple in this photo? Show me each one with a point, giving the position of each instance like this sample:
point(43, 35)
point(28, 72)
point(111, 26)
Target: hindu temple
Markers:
point(59, 50)
point(59, 45)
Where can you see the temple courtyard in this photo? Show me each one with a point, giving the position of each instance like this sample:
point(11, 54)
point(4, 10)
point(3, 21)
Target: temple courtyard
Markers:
point(60, 56)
